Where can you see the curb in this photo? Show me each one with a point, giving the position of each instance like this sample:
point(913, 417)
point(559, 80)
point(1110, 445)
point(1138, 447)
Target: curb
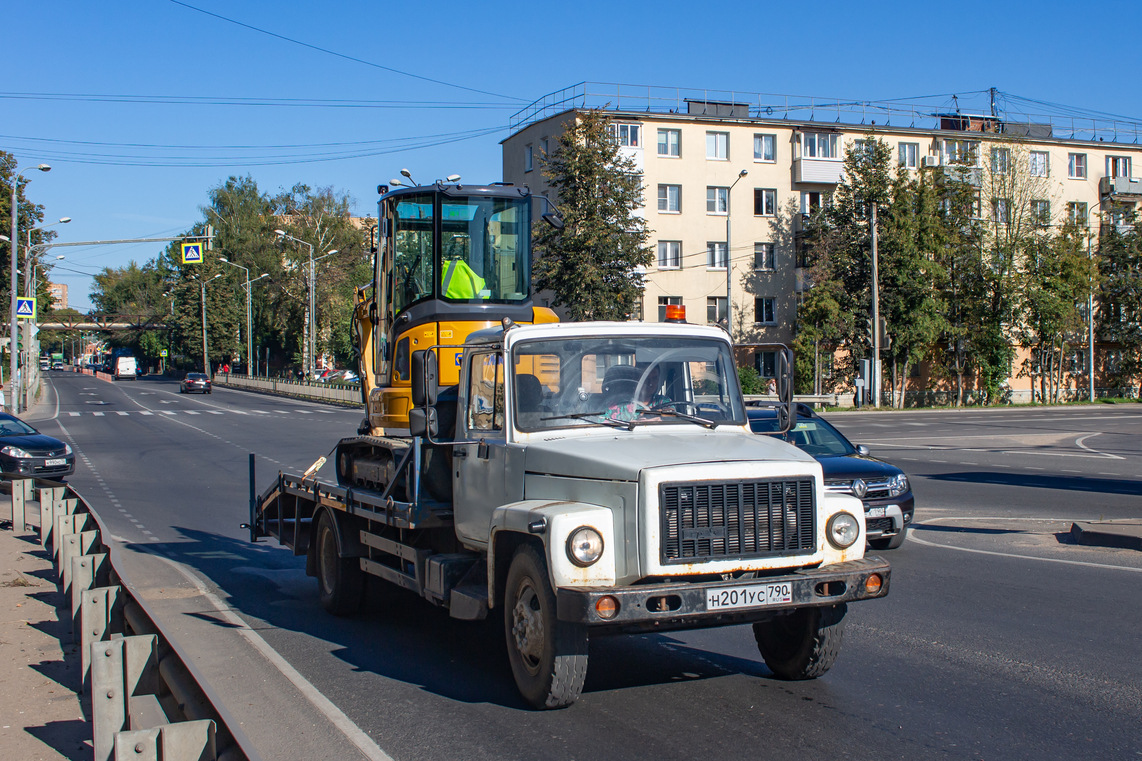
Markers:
point(1120, 534)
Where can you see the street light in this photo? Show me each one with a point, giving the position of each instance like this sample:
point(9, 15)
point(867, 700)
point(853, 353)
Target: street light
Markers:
point(311, 318)
point(249, 313)
point(30, 290)
point(13, 403)
point(205, 352)
point(729, 265)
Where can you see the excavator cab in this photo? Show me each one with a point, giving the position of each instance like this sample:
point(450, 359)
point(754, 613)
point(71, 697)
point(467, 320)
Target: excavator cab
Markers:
point(451, 259)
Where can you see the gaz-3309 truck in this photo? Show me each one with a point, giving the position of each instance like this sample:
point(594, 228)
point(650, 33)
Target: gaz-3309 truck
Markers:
point(583, 479)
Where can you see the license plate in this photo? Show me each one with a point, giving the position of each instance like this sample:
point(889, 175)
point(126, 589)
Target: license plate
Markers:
point(748, 596)
point(60, 461)
point(874, 512)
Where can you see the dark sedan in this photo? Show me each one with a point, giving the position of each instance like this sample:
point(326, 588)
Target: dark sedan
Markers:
point(849, 469)
point(24, 451)
point(195, 382)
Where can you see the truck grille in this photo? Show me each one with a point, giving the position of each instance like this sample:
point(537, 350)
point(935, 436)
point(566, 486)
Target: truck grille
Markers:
point(712, 519)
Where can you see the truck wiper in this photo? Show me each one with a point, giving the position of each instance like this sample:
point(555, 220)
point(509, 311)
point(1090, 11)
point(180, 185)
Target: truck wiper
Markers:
point(594, 417)
point(668, 412)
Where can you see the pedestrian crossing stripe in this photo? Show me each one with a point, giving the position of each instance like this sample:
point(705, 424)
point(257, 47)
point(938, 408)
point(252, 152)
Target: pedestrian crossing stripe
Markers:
point(125, 413)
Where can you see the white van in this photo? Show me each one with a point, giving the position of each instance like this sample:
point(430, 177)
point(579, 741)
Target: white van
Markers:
point(125, 368)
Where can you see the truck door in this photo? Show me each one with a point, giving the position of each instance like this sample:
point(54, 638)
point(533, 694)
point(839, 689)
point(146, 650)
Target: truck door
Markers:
point(488, 472)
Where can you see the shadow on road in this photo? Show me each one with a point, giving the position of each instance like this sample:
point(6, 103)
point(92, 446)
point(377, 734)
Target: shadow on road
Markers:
point(402, 637)
point(1064, 483)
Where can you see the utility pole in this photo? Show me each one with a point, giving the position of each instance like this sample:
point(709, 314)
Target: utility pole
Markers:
point(875, 380)
point(205, 357)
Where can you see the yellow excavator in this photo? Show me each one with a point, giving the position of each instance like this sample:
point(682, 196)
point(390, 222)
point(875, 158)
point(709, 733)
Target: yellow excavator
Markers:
point(450, 259)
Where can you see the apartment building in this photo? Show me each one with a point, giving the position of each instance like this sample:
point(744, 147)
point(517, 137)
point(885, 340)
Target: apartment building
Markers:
point(728, 177)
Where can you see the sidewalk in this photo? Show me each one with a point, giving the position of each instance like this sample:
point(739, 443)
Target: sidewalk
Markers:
point(40, 713)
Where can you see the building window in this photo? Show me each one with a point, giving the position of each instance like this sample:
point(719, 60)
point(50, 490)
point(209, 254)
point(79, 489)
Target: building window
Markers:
point(669, 254)
point(820, 145)
point(670, 199)
point(527, 159)
point(626, 134)
point(1122, 214)
point(716, 255)
point(765, 148)
point(1117, 166)
point(716, 310)
point(1040, 163)
point(717, 200)
point(1041, 213)
point(544, 146)
point(767, 364)
point(961, 152)
point(665, 301)
point(1076, 212)
point(909, 155)
point(764, 256)
point(670, 142)
point(1076, 166)
point(1000, 160)
point(763, 311)
point(718, 146)
point(813, 201)
point(1001, 210)
point(764, 202)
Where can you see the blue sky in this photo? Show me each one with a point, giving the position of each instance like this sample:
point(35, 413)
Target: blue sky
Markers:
point(204, 96)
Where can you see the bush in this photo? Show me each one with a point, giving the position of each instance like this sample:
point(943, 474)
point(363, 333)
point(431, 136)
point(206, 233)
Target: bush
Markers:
point(752, 382)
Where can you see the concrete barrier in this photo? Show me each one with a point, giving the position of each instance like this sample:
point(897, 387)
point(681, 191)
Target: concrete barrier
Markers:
point(348, 395)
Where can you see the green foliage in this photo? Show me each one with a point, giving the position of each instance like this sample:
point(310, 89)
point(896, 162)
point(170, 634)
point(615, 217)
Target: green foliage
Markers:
point(591, 264)
point(751, 380)
point(1120, 293)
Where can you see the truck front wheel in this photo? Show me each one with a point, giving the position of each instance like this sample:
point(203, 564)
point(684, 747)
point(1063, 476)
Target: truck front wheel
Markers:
point(548, 656)
point(803, 644)
point(340, 581)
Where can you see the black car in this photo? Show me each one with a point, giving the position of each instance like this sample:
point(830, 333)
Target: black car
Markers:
point(883, 488)
point(24, 451)
point(193, 382)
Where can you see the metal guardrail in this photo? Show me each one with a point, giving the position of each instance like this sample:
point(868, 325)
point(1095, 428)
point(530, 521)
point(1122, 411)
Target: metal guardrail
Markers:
point(145, 704)
point(306, 389)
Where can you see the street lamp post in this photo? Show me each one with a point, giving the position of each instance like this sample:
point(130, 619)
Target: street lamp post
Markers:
point(13, 242)
point(729, 265)
point(249, 314)
point(29, 291)
point(311, 321)
point(205, 352)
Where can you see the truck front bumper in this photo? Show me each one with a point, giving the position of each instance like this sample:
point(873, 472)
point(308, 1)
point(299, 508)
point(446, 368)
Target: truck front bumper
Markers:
point(686, 605)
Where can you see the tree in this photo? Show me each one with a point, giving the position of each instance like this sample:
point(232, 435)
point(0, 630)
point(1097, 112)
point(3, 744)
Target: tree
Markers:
point(29, 214)
point(1120, 296)
point(591, 265)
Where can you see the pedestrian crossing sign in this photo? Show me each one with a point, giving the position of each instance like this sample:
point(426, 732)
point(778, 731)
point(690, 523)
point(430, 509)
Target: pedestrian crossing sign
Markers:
point(192, 253)
point(26, 308)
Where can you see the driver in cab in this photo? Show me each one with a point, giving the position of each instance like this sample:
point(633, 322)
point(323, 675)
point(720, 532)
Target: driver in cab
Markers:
point(629, 391)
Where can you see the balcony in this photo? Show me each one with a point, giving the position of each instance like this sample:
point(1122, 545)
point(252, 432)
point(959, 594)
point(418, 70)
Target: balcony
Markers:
point(822, 171)
point(1120, 187)
point(972, 175)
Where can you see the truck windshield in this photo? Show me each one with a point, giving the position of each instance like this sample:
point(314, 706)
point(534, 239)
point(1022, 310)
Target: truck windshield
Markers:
point(632, 380)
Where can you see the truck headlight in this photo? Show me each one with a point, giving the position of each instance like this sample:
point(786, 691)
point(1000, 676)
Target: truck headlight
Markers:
point(14, 452)
point(584, 546)
point(842, 530)
point(897, 485)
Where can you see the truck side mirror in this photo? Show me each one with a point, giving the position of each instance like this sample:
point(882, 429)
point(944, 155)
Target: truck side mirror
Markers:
point(422, 421)
point(786, 412)
point(425, 378)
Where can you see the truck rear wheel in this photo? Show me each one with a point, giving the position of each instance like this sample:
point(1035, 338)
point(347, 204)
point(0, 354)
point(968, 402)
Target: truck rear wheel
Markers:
point(803, 644)
point(548, 656)
point(340, 581)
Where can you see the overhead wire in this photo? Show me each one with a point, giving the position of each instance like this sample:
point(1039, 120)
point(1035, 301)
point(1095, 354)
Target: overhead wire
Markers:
point(354, 59)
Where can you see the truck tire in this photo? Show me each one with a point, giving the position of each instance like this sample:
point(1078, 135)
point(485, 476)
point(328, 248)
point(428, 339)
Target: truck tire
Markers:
point(548, 656)
point(340, 581)
point(889, 542)
point(803, 644)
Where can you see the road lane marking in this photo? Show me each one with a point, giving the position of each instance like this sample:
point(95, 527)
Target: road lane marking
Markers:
point(192, 412)
point(352, 732)
point(145, 412)
point(97, 414)
point(1079, 443)
point(120, 412)
point(74, 414)
point(1106, 566)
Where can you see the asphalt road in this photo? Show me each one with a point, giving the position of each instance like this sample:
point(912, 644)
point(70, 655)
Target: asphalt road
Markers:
point(999, 639)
